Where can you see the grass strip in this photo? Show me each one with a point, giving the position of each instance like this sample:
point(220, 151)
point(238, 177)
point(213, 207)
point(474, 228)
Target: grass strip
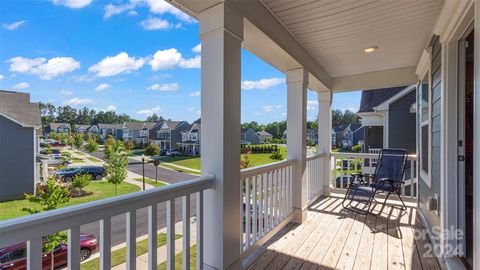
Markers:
point(151, 182)
point(178, 260)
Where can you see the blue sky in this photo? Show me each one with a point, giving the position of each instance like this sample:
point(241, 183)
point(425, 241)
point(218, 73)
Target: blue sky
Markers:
point(133, 56)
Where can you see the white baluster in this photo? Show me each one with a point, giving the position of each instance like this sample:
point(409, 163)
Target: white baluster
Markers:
point(186, 232)
point(131, 240)
point(74, 248)
point(105, 243)
point(152, 237)
point(34, 254)
point(199, 213)
point(255, 208)
point(171, 234)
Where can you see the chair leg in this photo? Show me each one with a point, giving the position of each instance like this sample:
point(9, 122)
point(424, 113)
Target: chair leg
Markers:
point(403, 203)
point(384, 203)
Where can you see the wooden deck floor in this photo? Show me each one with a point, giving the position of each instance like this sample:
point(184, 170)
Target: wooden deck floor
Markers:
point(335, 238)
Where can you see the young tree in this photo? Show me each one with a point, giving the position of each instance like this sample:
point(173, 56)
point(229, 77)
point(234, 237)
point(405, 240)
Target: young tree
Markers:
point(152, 150)
point(50, 197)
point(129, 145)
point(110, 141)
point(80, 181)
point(245, 161)
point(116, 166)
point(91, 146)
point(78, 140)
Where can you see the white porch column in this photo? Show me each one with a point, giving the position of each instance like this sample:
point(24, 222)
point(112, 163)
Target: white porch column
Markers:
point(297, 81)
point(221, 32)
point(325, 135)
point(476, 145)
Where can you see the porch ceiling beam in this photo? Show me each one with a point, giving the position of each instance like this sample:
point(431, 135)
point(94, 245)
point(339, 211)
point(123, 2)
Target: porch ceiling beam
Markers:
point(374, 80)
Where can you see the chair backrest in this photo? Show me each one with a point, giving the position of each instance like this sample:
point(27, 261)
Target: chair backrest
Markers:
point(391, 164)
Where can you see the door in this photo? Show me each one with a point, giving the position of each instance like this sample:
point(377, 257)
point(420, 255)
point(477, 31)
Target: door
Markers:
point(465, 145)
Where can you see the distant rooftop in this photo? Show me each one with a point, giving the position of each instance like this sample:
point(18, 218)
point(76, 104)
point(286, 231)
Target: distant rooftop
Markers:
point(373, 98)
point(17, 107)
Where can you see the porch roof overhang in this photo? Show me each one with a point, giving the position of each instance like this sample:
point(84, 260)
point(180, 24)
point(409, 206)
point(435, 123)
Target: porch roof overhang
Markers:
point(327, 38)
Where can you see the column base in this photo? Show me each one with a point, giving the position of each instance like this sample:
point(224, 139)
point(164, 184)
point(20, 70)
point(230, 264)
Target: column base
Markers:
point(299, 215)
point(237, 265)
point(326, 190)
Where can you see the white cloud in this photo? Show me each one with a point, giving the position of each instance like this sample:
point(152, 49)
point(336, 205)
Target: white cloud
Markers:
point(171, 58)
point(158, 24)
point(195, 94)
point(284, 114)
point(114, 65)
point(111, 108)
point(164, 87)
point(151, 111)
point(22, 85)
point(269, 108)
point(311, 104)
point(13, 25)
point(190, 109)
point(66, 92)
point(132, 13)
point(1, 77)
point(278, 106)
point(83, 78)
point(73, 3)
point(102, 87)
point(262, 84)
point(161, 7)
point(77, 101)
point(46, 70)
point(112, 10)
point(197, 48)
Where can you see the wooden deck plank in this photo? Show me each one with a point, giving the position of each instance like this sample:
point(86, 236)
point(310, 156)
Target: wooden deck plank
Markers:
point(380, 242)
point(365, 249)
point(395, 251)
point(410, 252)
point(349, 252)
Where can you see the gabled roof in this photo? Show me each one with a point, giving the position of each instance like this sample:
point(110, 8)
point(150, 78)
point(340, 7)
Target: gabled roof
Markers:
point(340, 128)
point(373, 98)
point(82, 126)
point(149, 125)
point(263, 133)
point(59, 125)
point(107, 126)
point(18, 108)
point(173, 124)
point(133, 125)
point(385, 105)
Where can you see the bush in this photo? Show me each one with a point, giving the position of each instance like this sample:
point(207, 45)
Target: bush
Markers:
point(91, 146)
point(276, 155)
point(129, 145)
point(245, 161)
point(357, 148)
point(79, 182)
point(152, 150)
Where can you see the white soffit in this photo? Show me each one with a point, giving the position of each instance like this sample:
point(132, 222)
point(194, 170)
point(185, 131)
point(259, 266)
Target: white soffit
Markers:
point(335, 33)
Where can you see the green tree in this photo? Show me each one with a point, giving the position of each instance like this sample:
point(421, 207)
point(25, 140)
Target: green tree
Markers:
point(152, 150)
point(80, 181)
point(49, 197)
point(116, 166)
point(91, 146)
point(110, 141)
point(129, 145)
point(337, 117)
point(276, 155)
point(78, 140)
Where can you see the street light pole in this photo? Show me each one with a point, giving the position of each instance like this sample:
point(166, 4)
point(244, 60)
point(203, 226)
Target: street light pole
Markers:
point(143, 171)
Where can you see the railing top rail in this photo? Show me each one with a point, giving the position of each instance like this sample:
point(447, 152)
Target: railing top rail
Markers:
point(21, 229)
point(266, 168)
point(364, 155)
point(319, 155)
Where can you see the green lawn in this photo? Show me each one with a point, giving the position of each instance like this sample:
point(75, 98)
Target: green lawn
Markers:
point(79, 153)
point(99, 189)
point(77, 160)
point(151, 182)
point(94, 159)
point(179, 258)
point(137, 152)
point(119, 255)
point(194, 162)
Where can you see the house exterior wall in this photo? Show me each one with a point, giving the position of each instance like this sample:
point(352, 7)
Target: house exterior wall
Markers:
point(251, 137)
point(402, 124)
point(17, 171)
point(373, 137)
point(176, 134)
point(426, 192)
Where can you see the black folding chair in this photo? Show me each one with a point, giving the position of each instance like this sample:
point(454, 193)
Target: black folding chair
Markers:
point(387, 179)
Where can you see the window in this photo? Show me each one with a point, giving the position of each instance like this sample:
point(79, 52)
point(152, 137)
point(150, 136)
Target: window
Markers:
point(424, 119)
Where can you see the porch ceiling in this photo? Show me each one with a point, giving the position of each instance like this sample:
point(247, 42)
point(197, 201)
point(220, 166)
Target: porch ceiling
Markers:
point(335, 33)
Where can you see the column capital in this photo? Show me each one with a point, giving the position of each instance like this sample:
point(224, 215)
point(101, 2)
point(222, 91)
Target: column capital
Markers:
point(298, 75)
point(220, 19)
point(325, 96)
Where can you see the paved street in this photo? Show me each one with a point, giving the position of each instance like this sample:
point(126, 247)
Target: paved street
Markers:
point(118, 222)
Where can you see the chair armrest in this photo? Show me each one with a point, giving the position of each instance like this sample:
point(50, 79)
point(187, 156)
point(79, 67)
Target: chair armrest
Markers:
point(391, 180)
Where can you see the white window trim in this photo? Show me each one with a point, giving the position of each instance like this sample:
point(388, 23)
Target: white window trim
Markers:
point(426, 177)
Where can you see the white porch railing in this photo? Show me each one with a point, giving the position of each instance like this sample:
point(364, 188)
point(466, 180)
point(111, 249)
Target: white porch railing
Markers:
point(343, 165)
point(266, 194)
point(32, 228)
point(315, 174)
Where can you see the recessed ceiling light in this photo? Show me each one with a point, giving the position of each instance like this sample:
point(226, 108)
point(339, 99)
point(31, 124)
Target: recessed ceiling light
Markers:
point(370, 49)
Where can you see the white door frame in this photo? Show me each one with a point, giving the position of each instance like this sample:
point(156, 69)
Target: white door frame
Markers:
point(451, 218)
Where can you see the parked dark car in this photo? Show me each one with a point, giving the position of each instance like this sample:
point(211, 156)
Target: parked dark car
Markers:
point(67, 174)
point(14, 257)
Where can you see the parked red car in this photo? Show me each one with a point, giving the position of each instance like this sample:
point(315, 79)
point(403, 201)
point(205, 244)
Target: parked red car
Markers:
point(14, 257)
point(57, 144)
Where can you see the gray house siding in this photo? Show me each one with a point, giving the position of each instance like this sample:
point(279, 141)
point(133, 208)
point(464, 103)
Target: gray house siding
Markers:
point(424, 191)
point(176, 134)
point(16, 160)
point(402, 124)
point(251, 137)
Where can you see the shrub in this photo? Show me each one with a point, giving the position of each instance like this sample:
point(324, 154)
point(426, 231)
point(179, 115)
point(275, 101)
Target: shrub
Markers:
point(91, 146)
point(276, 155)
point(152, 150)
point(129, 145)
point(79, 182)
point(245, 161)
point(357, 148)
